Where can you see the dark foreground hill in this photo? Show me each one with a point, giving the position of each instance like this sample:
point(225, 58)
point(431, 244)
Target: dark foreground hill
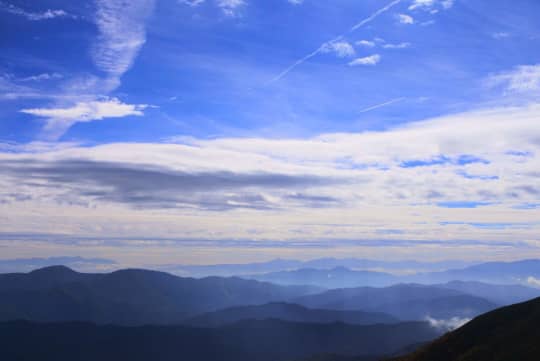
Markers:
point(269, 340)
point(127, 297)
point(508, 334)
point(288, 312)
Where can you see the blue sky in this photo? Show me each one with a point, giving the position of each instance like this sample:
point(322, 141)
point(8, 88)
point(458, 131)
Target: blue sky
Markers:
point(283, 121)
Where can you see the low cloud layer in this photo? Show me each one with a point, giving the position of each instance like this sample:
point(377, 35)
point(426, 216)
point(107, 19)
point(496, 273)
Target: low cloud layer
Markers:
point(449, 324)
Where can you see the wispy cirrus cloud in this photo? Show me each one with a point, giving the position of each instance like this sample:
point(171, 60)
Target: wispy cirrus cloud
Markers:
point(42, 77)
point(522, 79)
point(122, 33)
point(35, 16)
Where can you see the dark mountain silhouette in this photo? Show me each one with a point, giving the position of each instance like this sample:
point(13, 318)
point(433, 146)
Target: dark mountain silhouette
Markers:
point(339, 277)
point(499, 294)
point(288, 312)
point(407, 301)
point(269, 340)
point(127, 297)
point(511, 333)
point(43, 278)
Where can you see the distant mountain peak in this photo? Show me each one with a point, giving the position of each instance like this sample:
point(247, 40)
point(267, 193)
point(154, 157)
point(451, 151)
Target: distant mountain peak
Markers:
point(53, 270)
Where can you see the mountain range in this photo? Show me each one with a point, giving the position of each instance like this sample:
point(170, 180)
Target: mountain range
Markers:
point(526, 272)
point(137, 297)
point(128, 297)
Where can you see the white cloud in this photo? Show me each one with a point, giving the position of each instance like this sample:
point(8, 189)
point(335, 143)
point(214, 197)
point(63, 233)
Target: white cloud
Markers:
point(532, 281)
point(341, 49)
point(230, 7)
point(368, 60)
point(523, 79)
point(421, 3)
point(405, 19)
point(430, 5)
point(43, 76)
point(60, 119)
point(366, 43)
point(35, 16)
point(449, 324)
point(397, 46)
point(296, 2)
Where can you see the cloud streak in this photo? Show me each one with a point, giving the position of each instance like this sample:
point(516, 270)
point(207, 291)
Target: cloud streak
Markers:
point(336, 39)
point(390, 102)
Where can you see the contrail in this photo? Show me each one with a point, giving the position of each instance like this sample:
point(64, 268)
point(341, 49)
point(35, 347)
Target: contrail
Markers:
point(381, 105)
point(354, 28)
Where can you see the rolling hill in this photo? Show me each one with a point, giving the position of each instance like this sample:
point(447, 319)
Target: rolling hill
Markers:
point(406, 301)
point(287, 312)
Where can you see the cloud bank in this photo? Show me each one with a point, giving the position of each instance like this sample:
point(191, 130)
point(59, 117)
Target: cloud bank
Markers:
point(470, 176)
